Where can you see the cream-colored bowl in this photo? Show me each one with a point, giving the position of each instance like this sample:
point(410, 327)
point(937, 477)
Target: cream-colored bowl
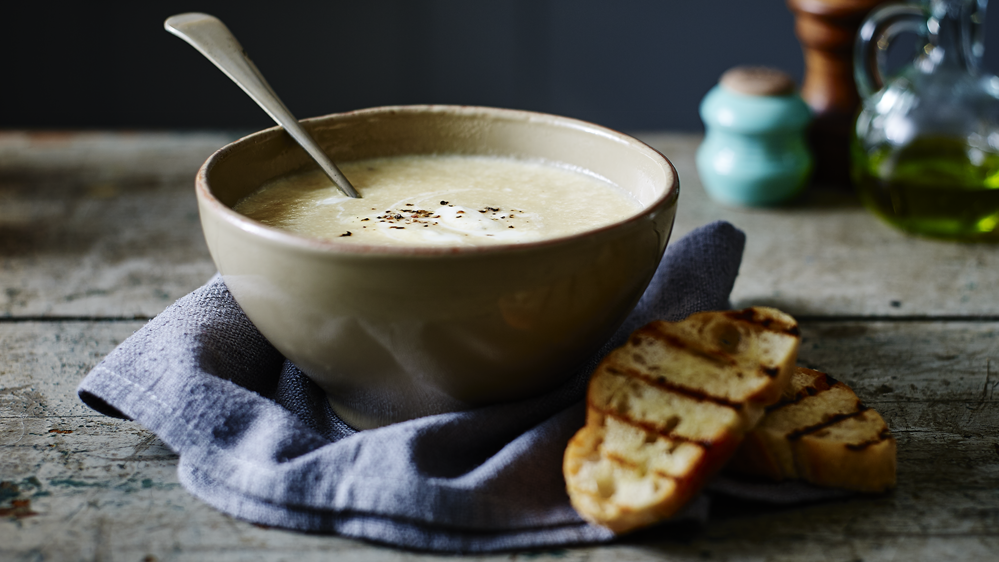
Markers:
point(394, 333)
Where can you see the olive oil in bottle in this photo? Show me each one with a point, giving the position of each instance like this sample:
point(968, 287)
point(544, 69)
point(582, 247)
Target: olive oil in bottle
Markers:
point(935, 186)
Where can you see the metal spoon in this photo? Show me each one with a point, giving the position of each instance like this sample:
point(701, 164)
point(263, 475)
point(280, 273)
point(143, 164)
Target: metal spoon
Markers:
point(214, 40)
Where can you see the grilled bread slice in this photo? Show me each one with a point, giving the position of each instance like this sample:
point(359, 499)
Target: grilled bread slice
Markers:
point(821, 433)
point(669, 408)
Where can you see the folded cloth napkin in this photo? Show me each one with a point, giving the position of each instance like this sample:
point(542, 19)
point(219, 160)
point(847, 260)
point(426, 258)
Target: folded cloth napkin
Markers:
point(258, 440)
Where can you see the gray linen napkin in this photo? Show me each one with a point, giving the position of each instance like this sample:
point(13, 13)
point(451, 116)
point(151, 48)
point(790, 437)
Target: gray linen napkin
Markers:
point(258, 440)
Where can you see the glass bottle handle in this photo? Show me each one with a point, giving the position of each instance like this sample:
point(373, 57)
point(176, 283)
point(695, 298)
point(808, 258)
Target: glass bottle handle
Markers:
point(878, 31)
point(974, 38)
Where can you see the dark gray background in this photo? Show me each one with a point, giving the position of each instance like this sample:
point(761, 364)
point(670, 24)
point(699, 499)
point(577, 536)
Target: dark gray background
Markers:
point(627, 64)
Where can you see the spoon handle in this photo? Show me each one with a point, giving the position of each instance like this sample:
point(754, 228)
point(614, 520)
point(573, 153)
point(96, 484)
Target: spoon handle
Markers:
point(214, 40)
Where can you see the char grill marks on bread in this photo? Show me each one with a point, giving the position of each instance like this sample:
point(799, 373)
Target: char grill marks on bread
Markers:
point(820, 432)
point(669, 408)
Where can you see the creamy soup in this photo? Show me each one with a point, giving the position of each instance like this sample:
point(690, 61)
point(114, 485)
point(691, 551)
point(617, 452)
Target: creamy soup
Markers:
point(441, 200)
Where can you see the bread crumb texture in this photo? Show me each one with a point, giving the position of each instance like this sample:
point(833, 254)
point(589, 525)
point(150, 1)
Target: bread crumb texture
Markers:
point(821, 433)
point(669, 408)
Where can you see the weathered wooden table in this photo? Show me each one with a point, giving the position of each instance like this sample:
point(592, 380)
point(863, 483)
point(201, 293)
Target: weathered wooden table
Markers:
point(99, 232)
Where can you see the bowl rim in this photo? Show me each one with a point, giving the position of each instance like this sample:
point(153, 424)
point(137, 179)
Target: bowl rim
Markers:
point(326, 246)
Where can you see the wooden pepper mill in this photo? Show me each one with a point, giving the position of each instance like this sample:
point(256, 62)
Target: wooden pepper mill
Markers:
point(827, 30)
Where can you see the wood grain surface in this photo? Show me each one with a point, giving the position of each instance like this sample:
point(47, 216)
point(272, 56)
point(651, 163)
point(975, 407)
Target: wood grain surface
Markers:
point(99, 232)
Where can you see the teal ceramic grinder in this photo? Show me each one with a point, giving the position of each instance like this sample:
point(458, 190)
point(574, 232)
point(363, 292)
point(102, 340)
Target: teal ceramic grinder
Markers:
point(754, 151)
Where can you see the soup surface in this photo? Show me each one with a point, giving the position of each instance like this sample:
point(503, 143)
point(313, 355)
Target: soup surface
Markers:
point(440, 201)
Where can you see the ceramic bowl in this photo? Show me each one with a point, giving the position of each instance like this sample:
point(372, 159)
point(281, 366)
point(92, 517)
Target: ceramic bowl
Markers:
point(394, 333)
